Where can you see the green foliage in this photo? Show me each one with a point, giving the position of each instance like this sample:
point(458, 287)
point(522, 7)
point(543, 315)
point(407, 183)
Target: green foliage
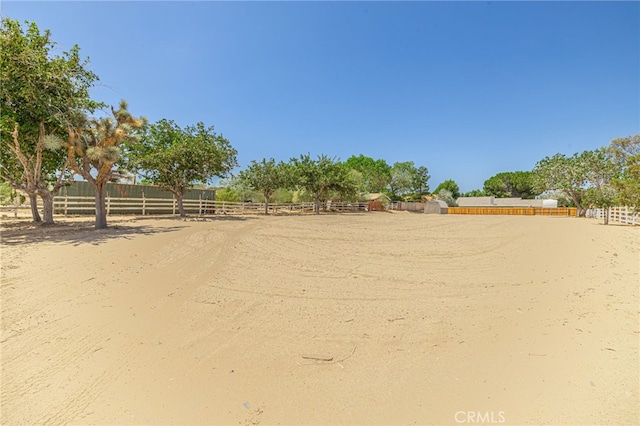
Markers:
point(625, 154)
point(374, 176)
point(7, 194)
point(322, 178)
point(176, 159)
point(573, 176)
point(228, 194)
point(408, 181)
point(40, 92)
point(451, 186)
point(475, 193)
point(511, 184)
point(266, 177)
point(447, 196)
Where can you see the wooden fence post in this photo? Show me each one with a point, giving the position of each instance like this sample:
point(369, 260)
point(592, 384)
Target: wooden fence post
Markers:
point(144, 204)
point(66, 199)
point(108, 204)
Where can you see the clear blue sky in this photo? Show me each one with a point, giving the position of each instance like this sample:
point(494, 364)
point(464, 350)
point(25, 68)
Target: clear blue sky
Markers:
point(467, 89)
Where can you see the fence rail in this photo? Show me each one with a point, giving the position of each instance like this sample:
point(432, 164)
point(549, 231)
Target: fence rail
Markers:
point(81, 205)
point(516, 211)
point(626, 215)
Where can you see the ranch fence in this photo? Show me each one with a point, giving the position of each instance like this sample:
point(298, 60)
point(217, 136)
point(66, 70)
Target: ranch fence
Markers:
point(626, 215)
point(81, 205)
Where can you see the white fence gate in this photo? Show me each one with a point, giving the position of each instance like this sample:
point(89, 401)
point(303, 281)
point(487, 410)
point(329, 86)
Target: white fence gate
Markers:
point(617, 214)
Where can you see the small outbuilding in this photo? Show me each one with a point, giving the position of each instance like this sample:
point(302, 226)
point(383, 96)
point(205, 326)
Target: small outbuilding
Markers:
point(436, 207)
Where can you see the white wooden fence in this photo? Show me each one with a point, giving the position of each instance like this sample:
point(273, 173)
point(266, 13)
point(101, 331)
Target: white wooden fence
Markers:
point(625, 215)
point(78, 205)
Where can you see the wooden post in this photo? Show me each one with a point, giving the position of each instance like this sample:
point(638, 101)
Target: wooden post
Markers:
point(108, 204)
point(174, 205)
point(200, 204)
point(66, 199)
point(144, 204)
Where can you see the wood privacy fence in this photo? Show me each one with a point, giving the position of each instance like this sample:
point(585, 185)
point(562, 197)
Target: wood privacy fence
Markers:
point(79, 205)
point(409, 207)
point(625, 215)
point(519, 211)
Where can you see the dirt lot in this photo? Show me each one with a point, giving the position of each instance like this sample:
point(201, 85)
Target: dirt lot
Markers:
point(378, 318)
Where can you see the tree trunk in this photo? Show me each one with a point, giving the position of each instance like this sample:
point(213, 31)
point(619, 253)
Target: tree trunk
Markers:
point(33, 199)
point(180, 205)
point(266, 204)
point(101, 207)
point(316, 206)
point(47, 206)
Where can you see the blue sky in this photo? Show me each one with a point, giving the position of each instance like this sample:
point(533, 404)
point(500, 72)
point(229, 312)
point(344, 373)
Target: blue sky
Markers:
point(467, 89)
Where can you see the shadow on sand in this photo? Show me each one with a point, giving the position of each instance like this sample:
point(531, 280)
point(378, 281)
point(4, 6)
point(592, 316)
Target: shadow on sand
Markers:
point(77, 232)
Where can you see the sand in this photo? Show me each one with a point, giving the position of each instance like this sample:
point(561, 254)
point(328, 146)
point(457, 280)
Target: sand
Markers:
point(376, 318)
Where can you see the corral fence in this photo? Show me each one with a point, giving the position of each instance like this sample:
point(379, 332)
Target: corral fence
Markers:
point(626, 215)
point(81, 205)
point(515, 211)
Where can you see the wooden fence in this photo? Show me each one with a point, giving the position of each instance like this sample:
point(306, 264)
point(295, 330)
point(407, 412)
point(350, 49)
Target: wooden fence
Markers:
point(409, 207)
point(518, 211)
point(625, 215)
point(78, 205)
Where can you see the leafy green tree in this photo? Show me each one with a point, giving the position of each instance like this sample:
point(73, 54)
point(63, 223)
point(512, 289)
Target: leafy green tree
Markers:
point(266, 176)
point(402, 174)
point(475, 193)
point(574, 175)
point(94, 148)
point(625, 154)
point(511, 184)
point(322, 177)
point(408, 181)
point(375, 174)
point(176, 159)
point(601, 172)
point(451, 186)
point(39, 93)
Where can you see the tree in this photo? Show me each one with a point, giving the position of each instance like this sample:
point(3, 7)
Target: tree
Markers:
point(175, 159)
point(408, 181)
point(420, 182)
point(266, 176)
point(511, 184)
point(376, 174)
point(625, 154)
point(39, 92)
point(475, 193)
point(94, 148)
point(451, 186)
point(574, 175)
point(447, 196)
point(601, 172)
point(321, 177)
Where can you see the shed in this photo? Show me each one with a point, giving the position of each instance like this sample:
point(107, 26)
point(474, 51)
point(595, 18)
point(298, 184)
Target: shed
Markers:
point(436, 207)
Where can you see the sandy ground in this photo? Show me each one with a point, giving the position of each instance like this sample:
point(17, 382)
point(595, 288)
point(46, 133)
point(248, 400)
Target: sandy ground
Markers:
point(377, 318)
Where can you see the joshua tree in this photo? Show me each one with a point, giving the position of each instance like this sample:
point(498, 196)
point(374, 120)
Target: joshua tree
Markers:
point(95, 145)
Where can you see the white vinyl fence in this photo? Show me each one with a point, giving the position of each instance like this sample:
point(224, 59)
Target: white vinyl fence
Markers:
point(625, 215)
